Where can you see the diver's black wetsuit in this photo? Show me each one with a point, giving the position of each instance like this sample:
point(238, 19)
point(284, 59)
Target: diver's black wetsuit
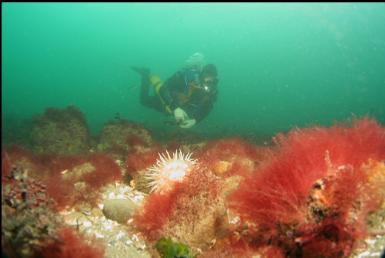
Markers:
point(175, 93)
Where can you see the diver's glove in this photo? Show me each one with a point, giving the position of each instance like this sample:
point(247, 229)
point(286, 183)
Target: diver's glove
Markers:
point(188, 123)
point(180, 115)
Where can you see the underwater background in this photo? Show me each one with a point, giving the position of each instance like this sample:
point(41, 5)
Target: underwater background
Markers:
point(280, 65)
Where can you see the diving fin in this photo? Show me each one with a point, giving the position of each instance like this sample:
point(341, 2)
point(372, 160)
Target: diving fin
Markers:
point(143, 71)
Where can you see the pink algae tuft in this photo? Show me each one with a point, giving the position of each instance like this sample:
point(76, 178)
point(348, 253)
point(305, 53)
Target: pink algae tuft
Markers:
point(155, 211)
point(277, 193)
point(313, 195)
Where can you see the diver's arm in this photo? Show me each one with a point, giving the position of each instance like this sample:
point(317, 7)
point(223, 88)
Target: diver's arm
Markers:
point(200, 110)
point(199, 113)
point(193, 118)
point(165, 94)
point(172, 85)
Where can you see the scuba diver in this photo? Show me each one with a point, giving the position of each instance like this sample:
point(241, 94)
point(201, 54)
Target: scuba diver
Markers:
point(188, 95)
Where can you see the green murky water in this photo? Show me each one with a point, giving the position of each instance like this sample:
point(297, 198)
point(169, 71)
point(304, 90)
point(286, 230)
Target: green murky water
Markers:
point(280, 65)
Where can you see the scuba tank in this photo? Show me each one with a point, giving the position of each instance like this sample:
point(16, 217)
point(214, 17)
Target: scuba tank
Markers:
point(191, 75)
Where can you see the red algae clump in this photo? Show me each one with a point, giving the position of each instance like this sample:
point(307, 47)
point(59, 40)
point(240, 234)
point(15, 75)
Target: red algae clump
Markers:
point(68, 178)
point(77, 178)
point(314, 195)
point(70, 244)
point(155, 211)
point(232, 156)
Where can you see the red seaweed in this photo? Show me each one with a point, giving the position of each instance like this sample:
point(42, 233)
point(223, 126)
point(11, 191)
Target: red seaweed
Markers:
point(71, 245)
point(274, 201)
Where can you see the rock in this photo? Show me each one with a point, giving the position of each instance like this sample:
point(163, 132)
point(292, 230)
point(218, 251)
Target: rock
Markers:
point(120, 136)
point(60, 131)
point(119, 210)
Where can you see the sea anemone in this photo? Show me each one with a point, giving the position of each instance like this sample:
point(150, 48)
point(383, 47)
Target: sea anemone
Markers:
point(168, 170)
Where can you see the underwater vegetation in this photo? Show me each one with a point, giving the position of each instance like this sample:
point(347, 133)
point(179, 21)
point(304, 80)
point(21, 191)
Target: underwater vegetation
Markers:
point(70, 245)
point(72, 179)
point(308, 196)
point(27, 214)
point(313, 198)
point(232, 156)
point(315, 192)
point(69, 179)
point(30, 225)
point(140, 159)
point(169, 249)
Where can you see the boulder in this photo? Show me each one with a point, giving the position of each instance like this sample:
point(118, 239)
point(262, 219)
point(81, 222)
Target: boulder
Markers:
point(119, 210)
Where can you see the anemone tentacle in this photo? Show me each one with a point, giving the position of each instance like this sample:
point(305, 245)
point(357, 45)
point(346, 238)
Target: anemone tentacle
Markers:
point(169, 169)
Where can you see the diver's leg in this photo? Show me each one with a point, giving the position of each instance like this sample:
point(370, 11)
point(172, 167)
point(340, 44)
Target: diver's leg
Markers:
point(145, 98)
point(145, 91)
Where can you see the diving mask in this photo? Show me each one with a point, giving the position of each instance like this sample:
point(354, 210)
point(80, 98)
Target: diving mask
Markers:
point(209, 83)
